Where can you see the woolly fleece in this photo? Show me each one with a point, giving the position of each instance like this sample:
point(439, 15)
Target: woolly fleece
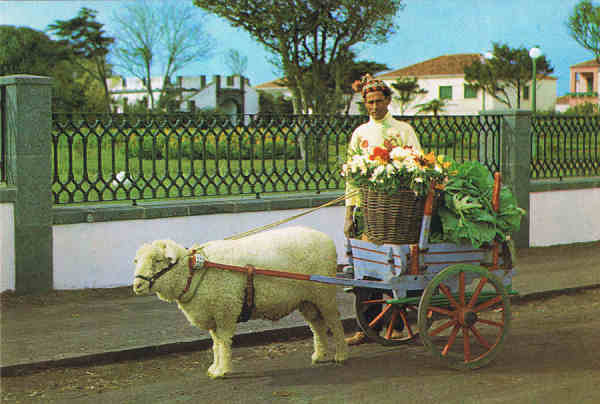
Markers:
point(219, 294)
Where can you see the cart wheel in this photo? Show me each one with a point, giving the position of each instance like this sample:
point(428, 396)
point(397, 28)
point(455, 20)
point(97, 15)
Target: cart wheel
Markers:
point(465, 329)
point(386, 324)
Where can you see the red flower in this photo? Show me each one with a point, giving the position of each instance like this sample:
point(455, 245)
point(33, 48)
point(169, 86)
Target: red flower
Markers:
point(364, 144)
point(381, 154)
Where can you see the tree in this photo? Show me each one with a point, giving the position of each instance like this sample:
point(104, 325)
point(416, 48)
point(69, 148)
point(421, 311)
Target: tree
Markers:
point(274, 104)
point(84, 35)
point(507, 72)
point(408, 90)
point(434, 106)
point(169, 32)
point(236, 62)
point(335, 87)
point(584, 26)
point(28, 51)
point(310, 36)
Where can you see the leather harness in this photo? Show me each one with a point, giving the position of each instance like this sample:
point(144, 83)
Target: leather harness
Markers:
point(196, 262)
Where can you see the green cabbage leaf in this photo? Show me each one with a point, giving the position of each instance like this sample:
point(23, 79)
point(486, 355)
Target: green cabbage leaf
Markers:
point(465, 208)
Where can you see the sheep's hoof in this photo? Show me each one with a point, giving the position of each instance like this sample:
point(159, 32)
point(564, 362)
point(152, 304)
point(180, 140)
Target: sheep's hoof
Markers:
point(215, 374)
point(319, 358)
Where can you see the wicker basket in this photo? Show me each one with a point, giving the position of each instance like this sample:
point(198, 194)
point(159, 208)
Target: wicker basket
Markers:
point(392, 218)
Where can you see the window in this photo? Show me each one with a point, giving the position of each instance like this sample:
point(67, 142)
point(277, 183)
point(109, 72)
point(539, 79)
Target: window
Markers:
point(229, 81)
point(526, 92)
point(445, 92)
point(470, 91)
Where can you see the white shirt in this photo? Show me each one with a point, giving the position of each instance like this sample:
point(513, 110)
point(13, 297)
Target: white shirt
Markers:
point(374, 133)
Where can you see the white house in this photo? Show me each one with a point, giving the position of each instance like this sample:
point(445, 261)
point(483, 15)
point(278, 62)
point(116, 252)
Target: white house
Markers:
point(275, 88)
point(231, 94)
point(443, 77)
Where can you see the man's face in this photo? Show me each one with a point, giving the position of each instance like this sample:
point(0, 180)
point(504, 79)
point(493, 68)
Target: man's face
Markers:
point(377, 104)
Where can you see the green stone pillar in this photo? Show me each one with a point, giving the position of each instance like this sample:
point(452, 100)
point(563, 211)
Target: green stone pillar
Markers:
point(29, 148)
point(515, 157)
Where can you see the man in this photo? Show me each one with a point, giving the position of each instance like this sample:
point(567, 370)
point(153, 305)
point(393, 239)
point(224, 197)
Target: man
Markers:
point(381, 129)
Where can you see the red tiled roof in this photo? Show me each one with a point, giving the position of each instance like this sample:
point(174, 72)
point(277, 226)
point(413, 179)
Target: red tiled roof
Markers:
point(438, 66)
point(441, 65)
point(277, 83)
point(589, 63)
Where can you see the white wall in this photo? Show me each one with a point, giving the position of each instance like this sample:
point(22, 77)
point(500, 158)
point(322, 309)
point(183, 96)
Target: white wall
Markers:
point(251, 100)
point(459, 105)
point(207, 98)
point(99, 255)
point(563, 217)
point(7, 247)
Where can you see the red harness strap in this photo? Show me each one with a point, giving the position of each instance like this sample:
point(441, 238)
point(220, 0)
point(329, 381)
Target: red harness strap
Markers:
point(248, 295)
point(192, 271)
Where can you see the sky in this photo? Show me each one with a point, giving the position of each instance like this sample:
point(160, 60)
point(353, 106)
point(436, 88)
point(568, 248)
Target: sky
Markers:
point(426, 29)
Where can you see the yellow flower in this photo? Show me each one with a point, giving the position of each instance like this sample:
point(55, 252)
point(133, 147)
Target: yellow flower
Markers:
point(430, 158)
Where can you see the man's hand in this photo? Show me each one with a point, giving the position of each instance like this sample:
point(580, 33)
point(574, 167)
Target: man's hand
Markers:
point(349, 230)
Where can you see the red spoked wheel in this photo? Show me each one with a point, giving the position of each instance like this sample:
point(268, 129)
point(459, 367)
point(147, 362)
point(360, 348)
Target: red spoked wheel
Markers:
point(385, 323)
point(464, 316)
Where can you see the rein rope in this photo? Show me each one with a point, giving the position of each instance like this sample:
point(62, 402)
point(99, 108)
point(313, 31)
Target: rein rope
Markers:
point(197, 260)
point(289, 219)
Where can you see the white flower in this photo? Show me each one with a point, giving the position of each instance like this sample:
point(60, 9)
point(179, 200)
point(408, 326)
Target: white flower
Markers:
point(390, 170)
point(377, 173)
point(418, 179)
point(411, 167)
point(379, 170)
point(400, 153)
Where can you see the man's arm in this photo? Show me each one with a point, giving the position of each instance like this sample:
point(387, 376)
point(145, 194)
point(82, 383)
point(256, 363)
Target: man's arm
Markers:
point(349, 221)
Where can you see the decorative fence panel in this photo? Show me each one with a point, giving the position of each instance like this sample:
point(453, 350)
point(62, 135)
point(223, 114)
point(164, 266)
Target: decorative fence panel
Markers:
point(128, 157)
point(565, 146)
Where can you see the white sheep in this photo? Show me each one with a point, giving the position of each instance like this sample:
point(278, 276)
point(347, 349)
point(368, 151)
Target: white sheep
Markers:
point(215, 297)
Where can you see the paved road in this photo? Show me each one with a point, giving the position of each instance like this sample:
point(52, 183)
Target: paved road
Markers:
point(551, 357)
point(82, 326)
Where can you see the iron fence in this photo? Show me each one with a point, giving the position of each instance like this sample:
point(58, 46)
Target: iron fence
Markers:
point(142, 157)
point(565, 146)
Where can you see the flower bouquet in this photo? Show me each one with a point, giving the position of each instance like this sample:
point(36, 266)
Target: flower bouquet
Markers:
point(393, 182)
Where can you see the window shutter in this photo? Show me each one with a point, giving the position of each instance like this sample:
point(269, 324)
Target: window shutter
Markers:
point(445, 92)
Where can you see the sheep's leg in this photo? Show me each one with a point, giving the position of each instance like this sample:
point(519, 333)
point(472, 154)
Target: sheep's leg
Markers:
point(222, 349)
point(215, 347)
point(319, 329)
point(333, 322)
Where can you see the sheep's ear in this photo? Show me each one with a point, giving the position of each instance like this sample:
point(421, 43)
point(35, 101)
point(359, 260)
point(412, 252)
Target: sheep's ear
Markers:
point(171, 252)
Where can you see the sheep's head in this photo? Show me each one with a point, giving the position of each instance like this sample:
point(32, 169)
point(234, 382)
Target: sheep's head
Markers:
point(152, 261)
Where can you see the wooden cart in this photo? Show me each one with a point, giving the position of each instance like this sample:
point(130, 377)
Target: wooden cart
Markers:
point(455, 298)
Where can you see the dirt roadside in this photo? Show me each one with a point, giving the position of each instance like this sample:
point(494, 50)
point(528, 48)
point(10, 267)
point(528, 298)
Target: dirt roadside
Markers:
point(551, 357)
